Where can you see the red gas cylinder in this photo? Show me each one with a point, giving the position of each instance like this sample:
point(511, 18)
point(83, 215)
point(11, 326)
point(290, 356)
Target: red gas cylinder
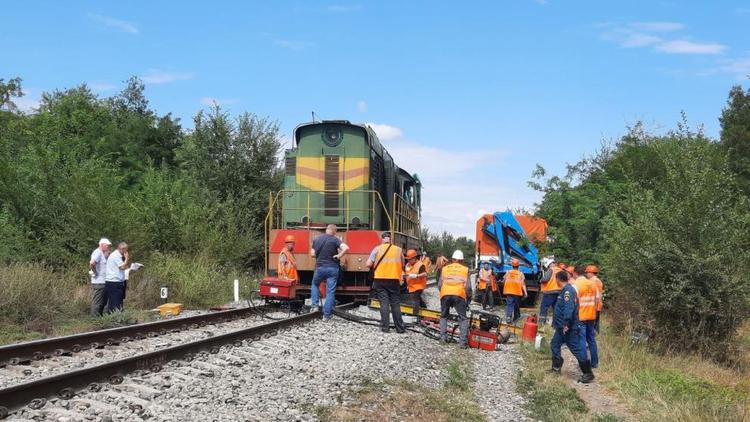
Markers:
point(529, 329)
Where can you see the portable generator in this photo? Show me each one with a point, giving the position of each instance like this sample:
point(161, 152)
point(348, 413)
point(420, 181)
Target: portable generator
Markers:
point(485, 337)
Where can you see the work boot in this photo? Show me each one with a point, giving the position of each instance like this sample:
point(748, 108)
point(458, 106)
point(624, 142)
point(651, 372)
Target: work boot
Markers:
point(557, 364)
point(588, 375)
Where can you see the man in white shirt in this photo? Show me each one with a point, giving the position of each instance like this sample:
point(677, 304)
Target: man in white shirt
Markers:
point(97, 270)
point(117, 263)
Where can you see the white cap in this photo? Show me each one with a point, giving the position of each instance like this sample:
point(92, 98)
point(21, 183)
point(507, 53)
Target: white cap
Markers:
point(104, 241)
point(458, 254)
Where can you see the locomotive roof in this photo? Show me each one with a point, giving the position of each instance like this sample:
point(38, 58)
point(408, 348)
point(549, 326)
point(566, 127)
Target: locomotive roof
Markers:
point(372, 138)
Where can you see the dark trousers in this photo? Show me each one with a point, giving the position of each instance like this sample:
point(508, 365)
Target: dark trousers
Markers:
point(512, 308)
point(389, 295)
point(416, 301)
point(570, 339)
point(596, 326)
point(459, 304)
point(548, 301)
point(488, 298)
point(115, 295)
point(98, 299)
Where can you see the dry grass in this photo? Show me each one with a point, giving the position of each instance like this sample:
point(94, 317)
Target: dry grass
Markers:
point(672, 387)
point(399, 400)
point(37, 302)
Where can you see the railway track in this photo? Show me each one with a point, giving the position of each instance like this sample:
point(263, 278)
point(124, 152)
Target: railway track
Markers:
point(71, 384)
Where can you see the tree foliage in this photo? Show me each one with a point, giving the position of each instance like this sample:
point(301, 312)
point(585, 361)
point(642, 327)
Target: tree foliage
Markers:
point(83, 166)
point(445, 244)
point(665, 218)
point(735, 134)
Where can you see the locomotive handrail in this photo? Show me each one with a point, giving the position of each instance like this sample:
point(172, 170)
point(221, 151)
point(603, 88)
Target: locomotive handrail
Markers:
point(273, 200)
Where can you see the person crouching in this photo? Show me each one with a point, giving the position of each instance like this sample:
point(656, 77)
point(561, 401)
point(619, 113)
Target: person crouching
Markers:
point(455, 289)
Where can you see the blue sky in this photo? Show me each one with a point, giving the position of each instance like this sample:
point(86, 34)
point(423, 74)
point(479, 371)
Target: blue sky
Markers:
point(471, 97)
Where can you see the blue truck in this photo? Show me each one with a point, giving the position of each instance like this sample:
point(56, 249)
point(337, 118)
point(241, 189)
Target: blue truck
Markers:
point(501, 238)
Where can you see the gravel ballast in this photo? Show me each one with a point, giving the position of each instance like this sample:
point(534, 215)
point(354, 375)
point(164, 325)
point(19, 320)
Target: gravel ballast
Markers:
point(287, 376)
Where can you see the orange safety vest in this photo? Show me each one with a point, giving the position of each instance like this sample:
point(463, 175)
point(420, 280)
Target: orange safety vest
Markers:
point(485, 276)
point(454, 278)
point(513, 283)
point(599, 293)
point(587, 298)
point(552, 286)
point(419, 283)
point(288, 270)
point(427, 263)
point(390, 267)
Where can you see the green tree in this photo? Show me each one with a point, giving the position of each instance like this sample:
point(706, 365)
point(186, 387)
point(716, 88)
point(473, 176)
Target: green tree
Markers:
point(238, 160)
point(8, 91)
point(735, 133)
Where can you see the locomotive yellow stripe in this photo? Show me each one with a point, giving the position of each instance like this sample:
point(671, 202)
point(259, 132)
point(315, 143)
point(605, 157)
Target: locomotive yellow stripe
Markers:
point(353, 173)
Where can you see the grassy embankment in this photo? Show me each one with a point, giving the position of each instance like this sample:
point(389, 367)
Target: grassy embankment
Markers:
point(406, 400)
point(37, 302)
point(651, 387)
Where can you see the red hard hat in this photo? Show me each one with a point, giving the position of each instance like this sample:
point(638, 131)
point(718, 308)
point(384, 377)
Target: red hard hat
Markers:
point(592, 269)
point(289, 239)
point(514, 262)
point(411, 253)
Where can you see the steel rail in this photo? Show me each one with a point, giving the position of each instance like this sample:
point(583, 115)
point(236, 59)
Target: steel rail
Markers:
point(35, 393)
point(15, 354)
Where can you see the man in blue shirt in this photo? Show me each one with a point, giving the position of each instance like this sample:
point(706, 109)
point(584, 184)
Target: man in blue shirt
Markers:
point(565, 323)
point(327, 249)
point(114, 279)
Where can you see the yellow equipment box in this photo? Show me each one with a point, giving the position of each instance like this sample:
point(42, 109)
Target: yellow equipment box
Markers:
point(171, 309)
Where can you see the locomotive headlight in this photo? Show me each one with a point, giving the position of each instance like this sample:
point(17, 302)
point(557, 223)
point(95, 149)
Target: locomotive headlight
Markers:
point(332, 136)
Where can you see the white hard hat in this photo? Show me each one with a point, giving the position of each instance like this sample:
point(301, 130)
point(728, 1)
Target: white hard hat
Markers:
point(104, 241)
point(458, 254)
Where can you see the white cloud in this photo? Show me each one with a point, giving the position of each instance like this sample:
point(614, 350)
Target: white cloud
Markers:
point(361, 106)
point(292, 45)
point(157, 76)
point(101, 86)
point(210, 101)
point(643, 34)
point(110, 22)
point(690, 47)
point(739, 67)
point(457, 188)
point(29, 103)
point(638, 39)
point(337, 8)
point(386, 132)
point(657, 26)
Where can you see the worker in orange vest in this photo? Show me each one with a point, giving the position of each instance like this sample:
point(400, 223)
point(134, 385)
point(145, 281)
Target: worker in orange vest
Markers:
point(592, 273)
point(387, 261)
point(486, 286)
point(426, 261)
point(514, 289)
point(587, 304)
point(287, 268)
point(550, 289)
point(415, 275)
point(455, 290)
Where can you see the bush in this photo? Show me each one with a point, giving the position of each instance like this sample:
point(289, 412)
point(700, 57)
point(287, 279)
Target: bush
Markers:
point(678, 257)
point(197, 282)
